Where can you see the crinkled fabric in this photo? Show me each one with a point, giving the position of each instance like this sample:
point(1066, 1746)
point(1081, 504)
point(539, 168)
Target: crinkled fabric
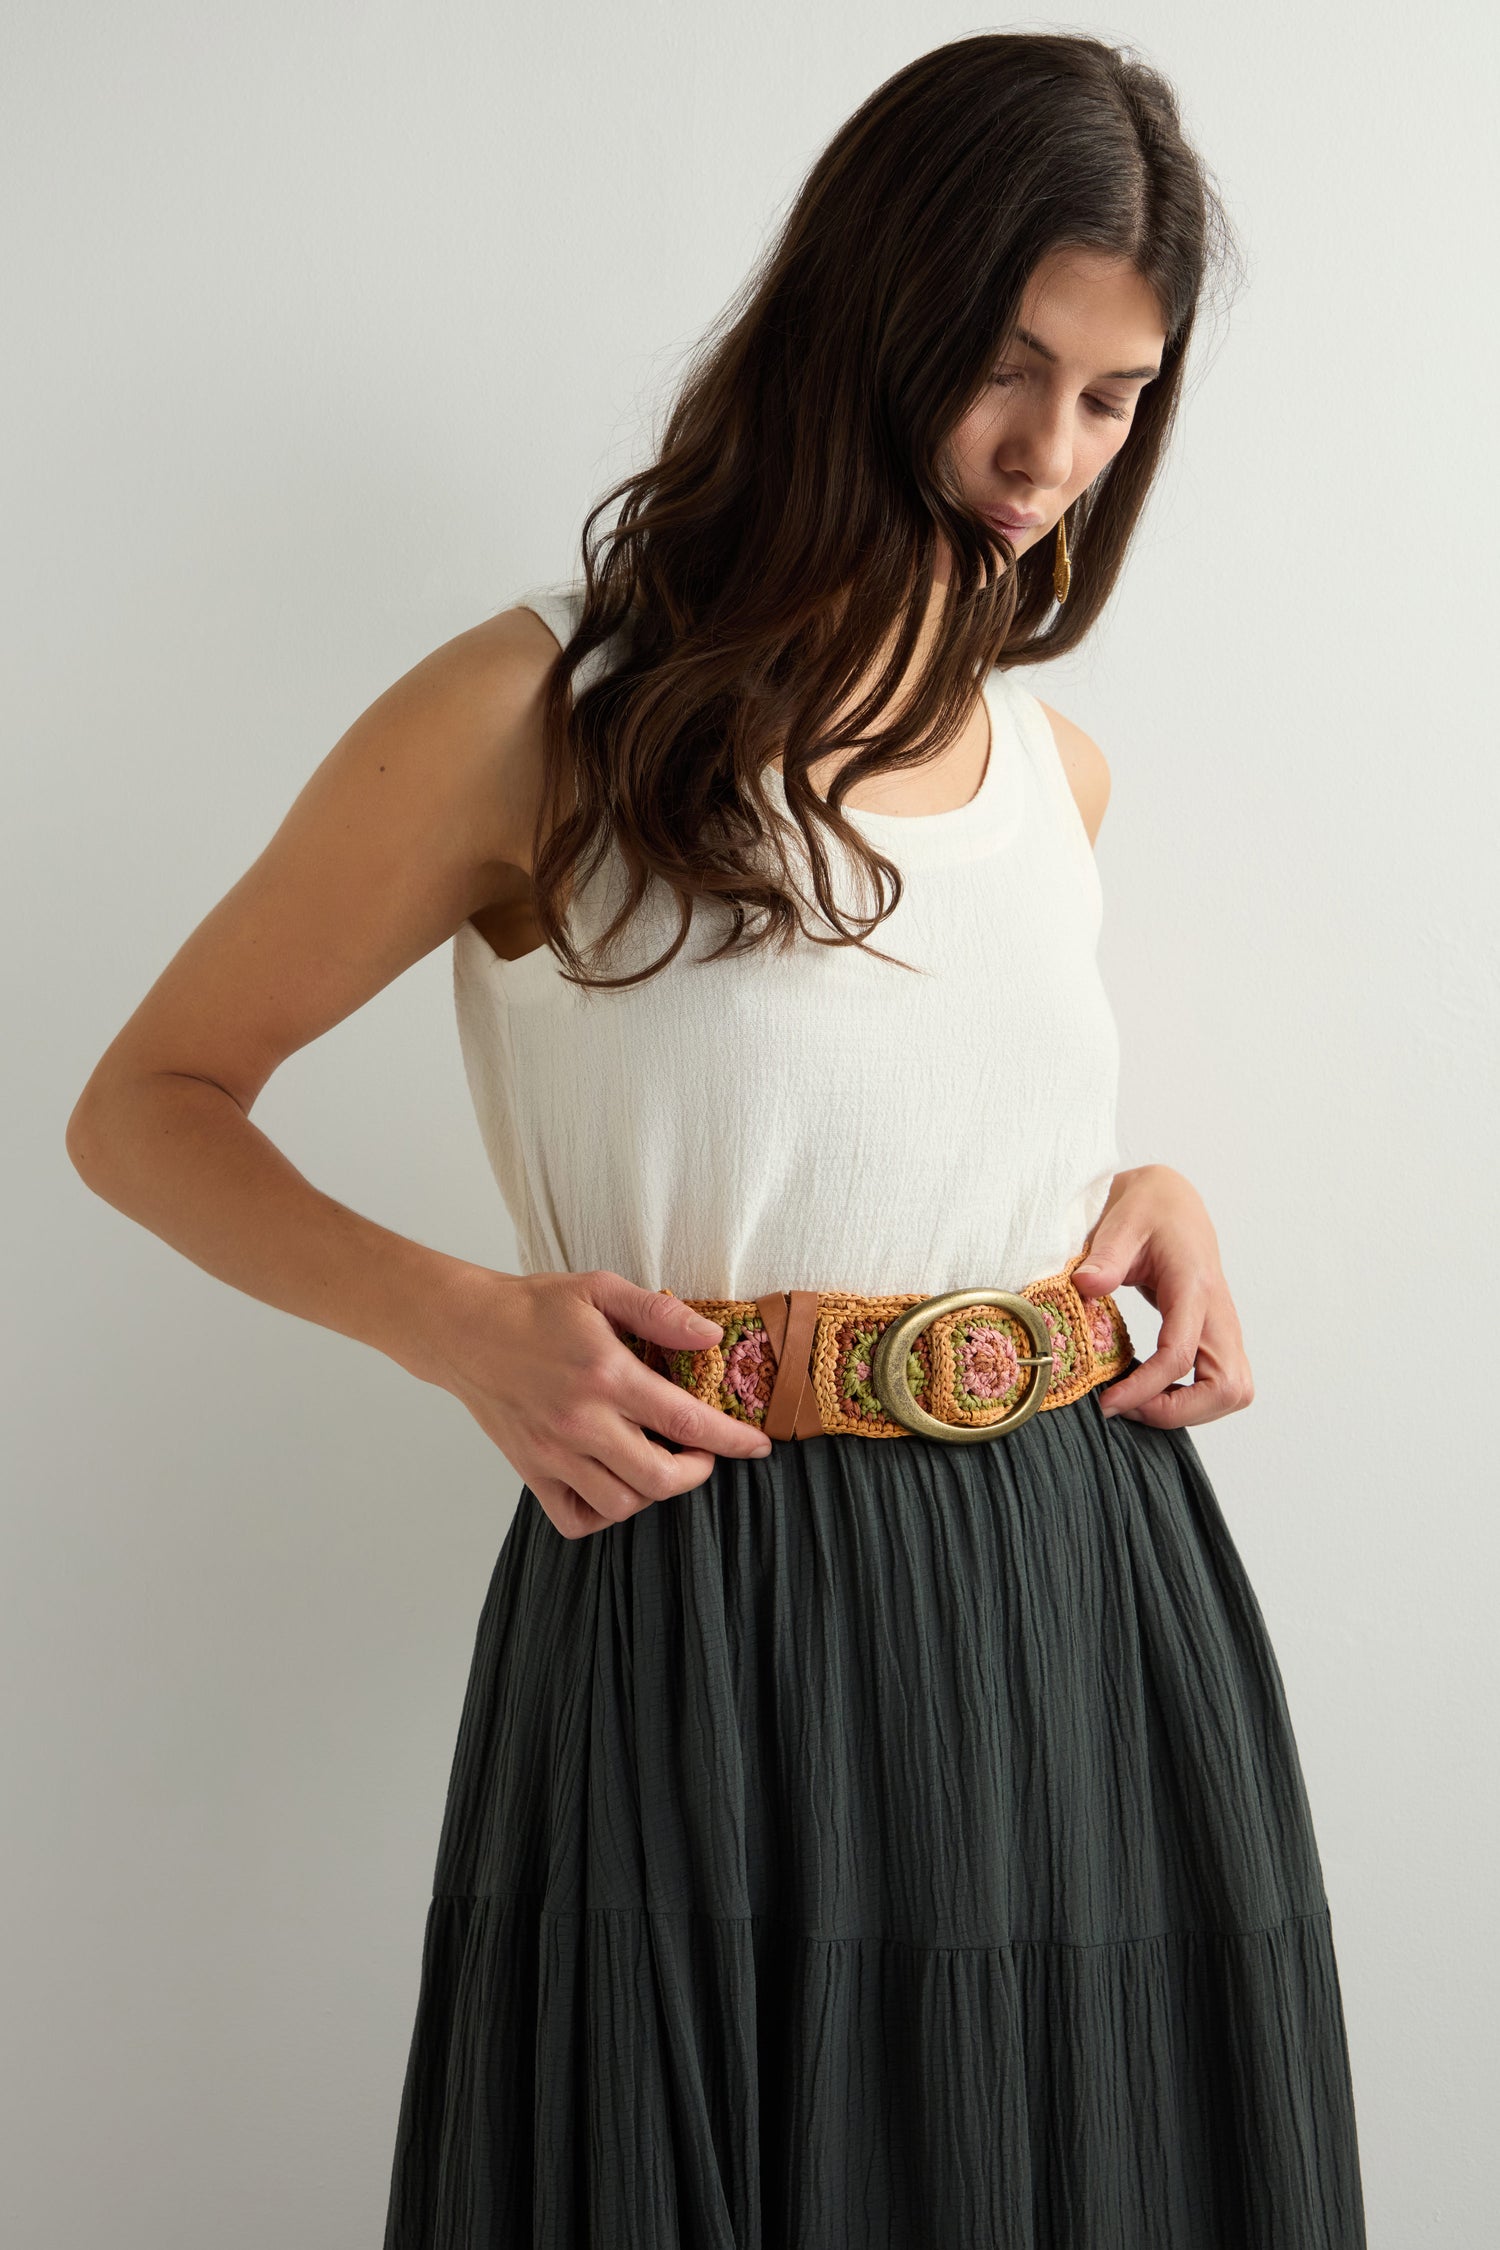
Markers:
point(888, 1845)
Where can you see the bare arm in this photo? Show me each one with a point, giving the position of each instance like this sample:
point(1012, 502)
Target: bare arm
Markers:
point(395, 839)
point(1155, 1234)
point(406, 828)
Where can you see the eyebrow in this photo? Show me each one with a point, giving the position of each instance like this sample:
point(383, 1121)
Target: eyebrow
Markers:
point(1115, 374)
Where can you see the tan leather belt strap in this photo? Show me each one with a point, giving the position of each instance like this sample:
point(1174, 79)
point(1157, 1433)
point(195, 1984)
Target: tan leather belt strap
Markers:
point(791, 1318)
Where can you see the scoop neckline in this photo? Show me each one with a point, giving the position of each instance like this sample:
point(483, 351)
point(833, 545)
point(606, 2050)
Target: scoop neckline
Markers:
point(960, 831)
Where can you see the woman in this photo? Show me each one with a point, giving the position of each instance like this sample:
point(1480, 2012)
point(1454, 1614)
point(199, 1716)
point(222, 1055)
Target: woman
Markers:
point(875, 1815)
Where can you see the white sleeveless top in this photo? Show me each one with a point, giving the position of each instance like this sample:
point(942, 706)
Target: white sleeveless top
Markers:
point(819, 1119)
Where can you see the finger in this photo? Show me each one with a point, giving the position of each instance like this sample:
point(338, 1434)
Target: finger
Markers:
point(603, 1444)
point(597, 1446)
point(1219, 1387)
point(590, 1485)
point(565, 1509)
point(1172, 1361)
point(657, 1315)
point(631, 1454)
point(573, 1515)
point(1175, 1408)
point(655, 1402)
point(1108, 1263)
point(650, 1474)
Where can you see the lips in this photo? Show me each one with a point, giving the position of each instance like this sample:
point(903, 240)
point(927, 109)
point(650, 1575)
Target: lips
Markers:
point(1006, 522)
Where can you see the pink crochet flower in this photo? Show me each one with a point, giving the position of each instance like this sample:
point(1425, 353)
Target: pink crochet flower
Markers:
point(749, 1370)
point(989, 1362)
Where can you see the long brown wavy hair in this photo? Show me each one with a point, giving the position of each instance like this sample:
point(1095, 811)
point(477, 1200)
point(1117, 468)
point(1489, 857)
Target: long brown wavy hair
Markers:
point(793, 518)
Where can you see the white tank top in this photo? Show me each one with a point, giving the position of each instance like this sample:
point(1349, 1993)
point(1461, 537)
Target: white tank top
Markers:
point(819, 1119)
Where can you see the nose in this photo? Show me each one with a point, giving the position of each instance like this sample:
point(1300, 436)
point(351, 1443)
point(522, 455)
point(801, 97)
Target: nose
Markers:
point(1037, 446)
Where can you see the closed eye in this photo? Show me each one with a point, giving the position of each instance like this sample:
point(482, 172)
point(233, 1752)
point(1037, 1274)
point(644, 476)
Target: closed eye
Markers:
point(1100, 406)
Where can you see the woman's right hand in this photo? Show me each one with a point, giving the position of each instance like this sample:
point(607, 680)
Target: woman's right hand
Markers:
point(538, 1361)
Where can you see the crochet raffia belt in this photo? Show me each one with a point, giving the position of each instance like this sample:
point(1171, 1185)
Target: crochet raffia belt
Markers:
point(966, 1365)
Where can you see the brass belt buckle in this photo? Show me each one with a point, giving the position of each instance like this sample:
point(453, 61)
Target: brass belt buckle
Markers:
point(888, 1377)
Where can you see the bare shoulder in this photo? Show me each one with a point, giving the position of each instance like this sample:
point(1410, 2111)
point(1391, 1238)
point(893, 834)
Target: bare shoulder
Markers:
point(1085, 766)
point(485, 688)
point(419, 818)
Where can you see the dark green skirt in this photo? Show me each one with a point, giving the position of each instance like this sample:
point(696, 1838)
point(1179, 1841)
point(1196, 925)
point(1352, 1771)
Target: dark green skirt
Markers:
point(888, 1845)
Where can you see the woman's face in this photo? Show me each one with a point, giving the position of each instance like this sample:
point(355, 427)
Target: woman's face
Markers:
point(1059, 403)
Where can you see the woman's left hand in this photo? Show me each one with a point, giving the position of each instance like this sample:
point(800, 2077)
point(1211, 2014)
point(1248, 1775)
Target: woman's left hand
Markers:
point(1155, 1235)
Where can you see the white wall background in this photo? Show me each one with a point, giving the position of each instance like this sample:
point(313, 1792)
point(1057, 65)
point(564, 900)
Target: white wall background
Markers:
point(324, 325)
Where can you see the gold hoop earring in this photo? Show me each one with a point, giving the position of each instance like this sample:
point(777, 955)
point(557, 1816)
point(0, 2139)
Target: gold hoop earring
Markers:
point(1062, 569)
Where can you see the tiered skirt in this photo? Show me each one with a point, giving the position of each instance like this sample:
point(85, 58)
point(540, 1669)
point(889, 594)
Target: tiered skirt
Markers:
point(887, 1845)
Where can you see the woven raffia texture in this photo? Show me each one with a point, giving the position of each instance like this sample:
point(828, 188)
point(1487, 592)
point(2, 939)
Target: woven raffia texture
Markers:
point(966, 1367)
